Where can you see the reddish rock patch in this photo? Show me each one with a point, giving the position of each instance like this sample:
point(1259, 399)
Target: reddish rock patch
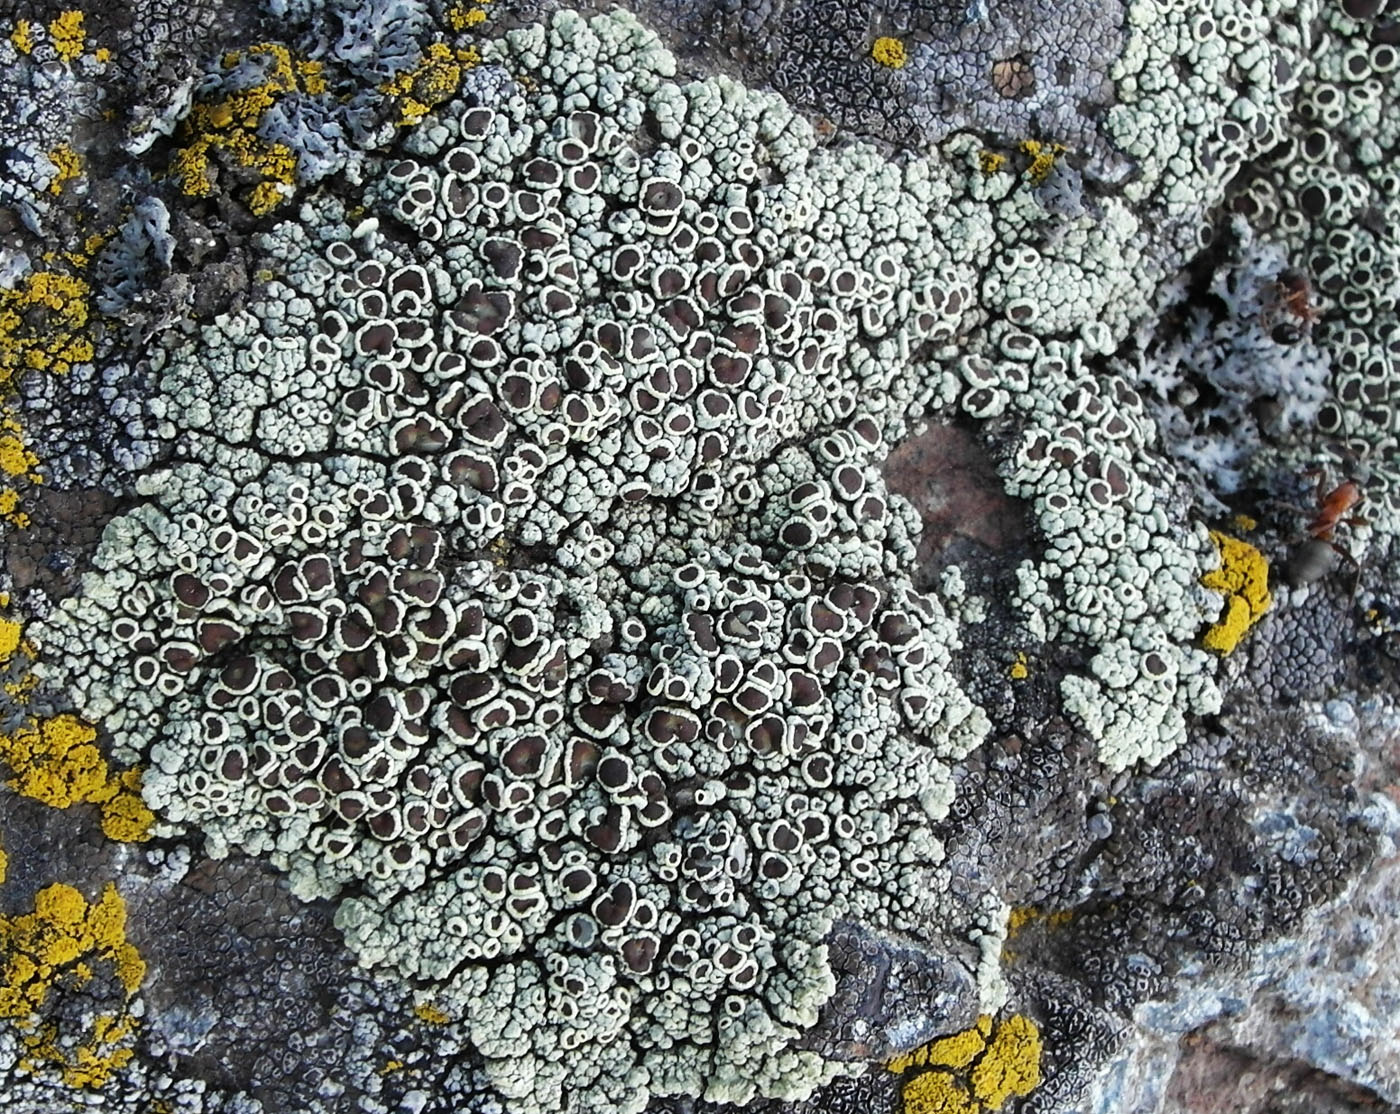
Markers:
point(953, 484)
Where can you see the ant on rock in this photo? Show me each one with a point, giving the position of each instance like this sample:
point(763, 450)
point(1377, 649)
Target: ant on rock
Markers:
point(1289, 312)
point(1316, 556)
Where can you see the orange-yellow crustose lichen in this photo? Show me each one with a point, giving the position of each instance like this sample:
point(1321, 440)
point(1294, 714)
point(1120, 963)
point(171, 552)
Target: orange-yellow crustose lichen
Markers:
point(429, 1014)
point(17, 466)
point(54, 761)
point(1019, 917)
point(22, 36)
point(9, 508)
point(230, 127)
point(889, 52)
point(1243, 576)
point(4, 864)
point(94, 1061)
point(1011, 1064)
point(972, 1072)
point(10, 639)
point(63, 944)
point(1023, 915)
point(69, 163)
point(125, 817)
point(957, 1051)
point(19, 690)
point(937, 1092)
point(434, 80)
point(43, 323)
point(990, 162)
point(68, 35)
point(1043, 158)
point(462, 16)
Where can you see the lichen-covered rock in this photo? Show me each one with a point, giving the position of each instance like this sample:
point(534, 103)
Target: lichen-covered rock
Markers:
point(1327, 197)
point(923, 70)
point(528, 458)
point(1291, 1036)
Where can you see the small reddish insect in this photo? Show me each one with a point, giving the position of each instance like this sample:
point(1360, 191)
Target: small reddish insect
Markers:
point(1289, 307)
point(1314, 558)
point(1332, 506)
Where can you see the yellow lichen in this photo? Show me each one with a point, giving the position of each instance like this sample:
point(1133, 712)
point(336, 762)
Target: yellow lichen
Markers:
point(1225, 635)
point(990, 161)
point(430, 1014)
point(54, 761)
point(16, 463)
point(229, 127)
point(391, 1066)
point(43, 323)
point(12, 640)
point(936, 1092)
point(103, 55)
point(266, 196)
point(9, 508)
point(312, 75)
point(889, 52)
point(10, 637)
point(972, 1072)
point(1011, 1064)
point(1243, 577)
point(68, 35)
point(500, 549)
point(1019, 917)
point(23, 36)
point(96, 1061)
point(960, 1049)
point(434, 80)
point(4, 864)
point(15, 457)
point(1019, 670)
point(70, 166)
point(60, 945)
point(1043, 158)
point(462, 16)
point(125, 818)
point(19, 690)
point(1023, 915)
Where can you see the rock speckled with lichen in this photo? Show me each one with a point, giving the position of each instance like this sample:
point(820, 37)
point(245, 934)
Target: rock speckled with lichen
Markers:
point(789, 555)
